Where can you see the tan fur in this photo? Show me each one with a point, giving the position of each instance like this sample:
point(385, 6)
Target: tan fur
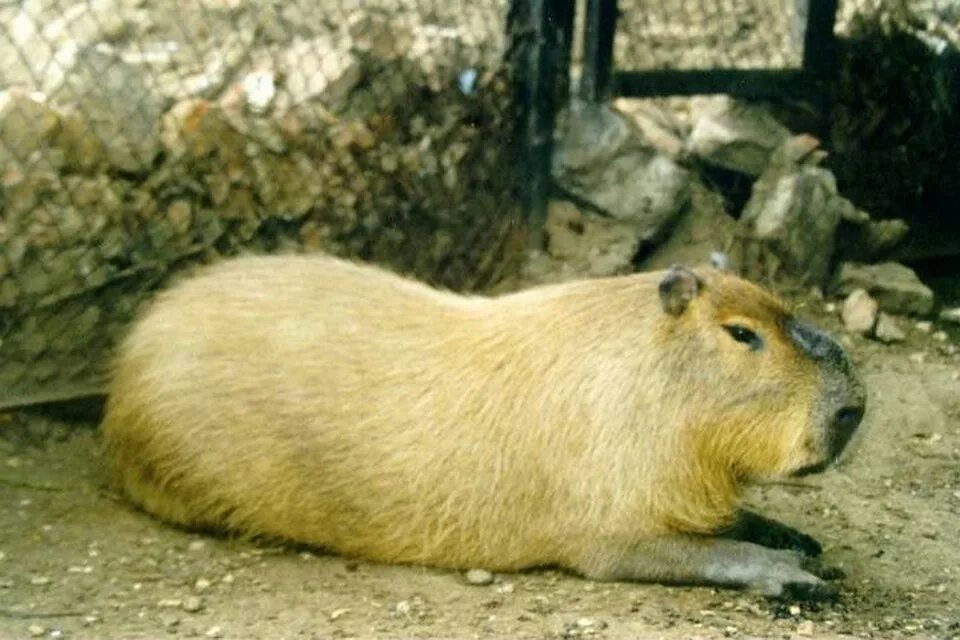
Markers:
point(338, 405)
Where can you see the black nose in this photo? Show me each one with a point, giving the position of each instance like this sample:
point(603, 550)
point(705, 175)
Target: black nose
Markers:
point(845, 423)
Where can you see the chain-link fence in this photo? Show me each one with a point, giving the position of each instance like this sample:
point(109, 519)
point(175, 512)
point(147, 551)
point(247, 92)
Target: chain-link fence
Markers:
point(140, 138)
point(736, 34)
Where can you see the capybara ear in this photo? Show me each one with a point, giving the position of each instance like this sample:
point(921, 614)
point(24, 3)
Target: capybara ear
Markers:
point(677, 289)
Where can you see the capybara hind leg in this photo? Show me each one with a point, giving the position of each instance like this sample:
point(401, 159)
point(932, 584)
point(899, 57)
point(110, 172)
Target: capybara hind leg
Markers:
point(160, 502)
point(773, 573)
point(752, 527)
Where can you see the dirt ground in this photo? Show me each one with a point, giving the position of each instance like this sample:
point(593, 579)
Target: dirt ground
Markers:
point(77, 562)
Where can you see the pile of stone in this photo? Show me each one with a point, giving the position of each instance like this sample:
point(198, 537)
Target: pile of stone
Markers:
point(637, 197)
point(138, 139)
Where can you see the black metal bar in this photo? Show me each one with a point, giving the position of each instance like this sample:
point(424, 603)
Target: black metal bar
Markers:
point(540, 34)
point(819, 44)
point(744, 83)
point(599, 29)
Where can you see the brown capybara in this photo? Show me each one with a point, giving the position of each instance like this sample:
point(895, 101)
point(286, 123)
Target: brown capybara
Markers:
point(605, 426)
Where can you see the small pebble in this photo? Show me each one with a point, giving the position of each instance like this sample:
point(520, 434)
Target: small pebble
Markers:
point(88, 620)
point(951, 315)
point(505, 588)
point(939, 336)
point(479, 577)
point(202, 584)
point(192, 604)
point(795, 610)
point(39, 581)
point(830, 307)
point(402, 608)
point(338, 613)
point(197, 545)
point(169, 620)
point(227, 579)
point(36, 630)
point(214, 632)
point(918, 357)
point(2, 555)
point(84, 569)
point(924, 325)
point(170, 603)
point(805, 628)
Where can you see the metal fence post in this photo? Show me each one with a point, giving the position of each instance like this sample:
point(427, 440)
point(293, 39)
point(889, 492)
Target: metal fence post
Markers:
point(540, 34)
point(601, 24)
point(819, 46)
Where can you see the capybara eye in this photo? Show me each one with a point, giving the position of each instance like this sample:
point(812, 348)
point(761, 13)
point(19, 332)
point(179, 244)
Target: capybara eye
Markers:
point(744, 335)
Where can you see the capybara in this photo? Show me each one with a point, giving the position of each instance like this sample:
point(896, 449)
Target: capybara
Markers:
point(605, 426)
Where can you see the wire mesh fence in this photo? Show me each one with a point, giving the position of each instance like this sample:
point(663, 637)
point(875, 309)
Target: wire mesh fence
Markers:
point(138, 139)
point(692, 34)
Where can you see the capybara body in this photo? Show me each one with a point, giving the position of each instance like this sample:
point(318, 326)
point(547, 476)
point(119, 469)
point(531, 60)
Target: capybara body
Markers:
point(600, 425)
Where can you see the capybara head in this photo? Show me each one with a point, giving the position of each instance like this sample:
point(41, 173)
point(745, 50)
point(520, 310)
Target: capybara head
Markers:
point(768, 392)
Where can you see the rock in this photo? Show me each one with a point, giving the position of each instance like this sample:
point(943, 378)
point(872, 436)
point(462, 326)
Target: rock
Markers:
point(36, 630)
point(805, 628)
point(27, 125)
point(871, 240)
point(924, 326)
point(321, 69)
point(733, 135)
point(894, 286)
point(786, 232)
point(887, 329)
point(950, 315)
point(657, 125)
point(603, 160)
point(593, 245)
point(702, 229)
point(859, 312)
point(479, 577)
point(192, 604)
point(379, 36)
point(117, 106)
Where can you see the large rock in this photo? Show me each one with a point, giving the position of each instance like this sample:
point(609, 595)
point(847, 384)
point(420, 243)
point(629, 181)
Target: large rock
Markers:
point(894, 286)
point(703, 228)
point(786, 233)
point(602, 159)
point(869, 240)
point(733, 135)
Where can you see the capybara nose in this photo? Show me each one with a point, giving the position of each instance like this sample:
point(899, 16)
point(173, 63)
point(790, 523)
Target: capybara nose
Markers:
point(845, 423)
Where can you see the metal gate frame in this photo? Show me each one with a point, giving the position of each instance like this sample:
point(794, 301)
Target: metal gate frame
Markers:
point(540, 33)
